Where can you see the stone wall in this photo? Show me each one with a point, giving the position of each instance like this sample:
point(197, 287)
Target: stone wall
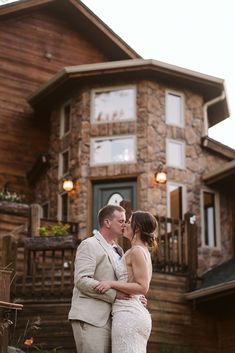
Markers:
point(151, 131)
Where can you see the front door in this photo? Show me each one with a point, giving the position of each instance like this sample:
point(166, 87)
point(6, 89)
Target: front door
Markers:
point(113, 192)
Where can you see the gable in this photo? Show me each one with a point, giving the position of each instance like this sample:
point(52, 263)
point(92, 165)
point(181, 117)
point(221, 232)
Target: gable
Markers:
point(83, 19)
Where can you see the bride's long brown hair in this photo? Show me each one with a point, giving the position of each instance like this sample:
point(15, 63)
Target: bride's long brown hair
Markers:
point(146, 224)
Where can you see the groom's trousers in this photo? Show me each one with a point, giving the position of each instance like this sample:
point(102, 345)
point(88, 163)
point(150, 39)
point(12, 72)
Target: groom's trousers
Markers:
point(92, 339)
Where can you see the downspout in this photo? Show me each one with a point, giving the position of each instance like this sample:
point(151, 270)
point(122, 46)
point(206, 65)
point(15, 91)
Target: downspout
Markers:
point(205, 110)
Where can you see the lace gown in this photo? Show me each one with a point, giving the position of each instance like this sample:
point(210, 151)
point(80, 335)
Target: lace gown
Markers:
point(131, 325)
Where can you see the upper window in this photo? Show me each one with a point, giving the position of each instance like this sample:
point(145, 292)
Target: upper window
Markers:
point(210, 219)
point(175, 153)
point(113, 104)
point(174, 109)
point(65, 119)
point(113, 150)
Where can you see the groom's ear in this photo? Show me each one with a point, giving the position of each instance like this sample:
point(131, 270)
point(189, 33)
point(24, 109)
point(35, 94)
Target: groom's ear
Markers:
point(107, 223)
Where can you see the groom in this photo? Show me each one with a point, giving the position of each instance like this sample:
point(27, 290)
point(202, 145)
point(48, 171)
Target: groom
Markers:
point(95, 261)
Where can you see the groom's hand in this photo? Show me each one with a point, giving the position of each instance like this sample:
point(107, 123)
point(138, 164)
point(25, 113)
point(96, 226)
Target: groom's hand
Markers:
point(122, 296)
point(143, 300)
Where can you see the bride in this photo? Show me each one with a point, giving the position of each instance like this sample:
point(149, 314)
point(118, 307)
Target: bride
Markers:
point(131, 325)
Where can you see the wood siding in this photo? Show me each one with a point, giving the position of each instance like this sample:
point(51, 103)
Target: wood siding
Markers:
point(176, 324)
point(33, 48)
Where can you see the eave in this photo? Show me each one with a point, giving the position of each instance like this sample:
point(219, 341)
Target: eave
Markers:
point(82, 18)
point(206, 294)
point(207, 86)
point(218, 147)
point(222, 178)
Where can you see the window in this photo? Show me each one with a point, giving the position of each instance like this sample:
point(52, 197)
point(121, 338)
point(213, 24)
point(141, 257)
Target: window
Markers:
point(63, 163)
point(63, 206)
point(175, 200)
point(175, 153)
point(65, 119)
point(210, 219)
point(113, 104)
point(174, 109)
point(113, 150)
point(115, 199)
point(45, 210)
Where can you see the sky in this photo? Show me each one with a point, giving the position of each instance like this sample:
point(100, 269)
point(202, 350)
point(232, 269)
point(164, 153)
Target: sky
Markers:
point(193, 34)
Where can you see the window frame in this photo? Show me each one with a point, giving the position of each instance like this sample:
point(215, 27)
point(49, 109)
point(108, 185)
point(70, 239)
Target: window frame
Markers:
point(180, 142)
point(62, 119)
point(217, 219)
point(48, 205)
point(110, 89)
point(60, 167)
point(119, 137)
point(182, 108)
point(59, 208)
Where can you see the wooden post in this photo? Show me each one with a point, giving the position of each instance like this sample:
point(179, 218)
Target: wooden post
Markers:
point(9, 251)
point(233, 220)
point(191, 248)
point(35, 219)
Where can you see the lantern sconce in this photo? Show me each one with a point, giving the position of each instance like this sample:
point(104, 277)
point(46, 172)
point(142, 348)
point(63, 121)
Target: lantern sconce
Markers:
point(69, 184)
point(160, 176)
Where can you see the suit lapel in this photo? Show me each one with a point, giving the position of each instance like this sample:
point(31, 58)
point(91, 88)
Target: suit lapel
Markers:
point(106, 248)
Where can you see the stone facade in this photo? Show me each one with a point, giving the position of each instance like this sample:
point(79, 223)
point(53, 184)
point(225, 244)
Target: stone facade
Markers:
point(151, 132)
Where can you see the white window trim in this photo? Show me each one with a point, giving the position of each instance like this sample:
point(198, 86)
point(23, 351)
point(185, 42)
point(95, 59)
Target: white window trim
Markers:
point(168, 197)
point(182, 143)
point(59, 208)
point(60, 166)
point(217, 220)
point(182, 107)
point(62, 133)
point(109, 89)
point(92, 164)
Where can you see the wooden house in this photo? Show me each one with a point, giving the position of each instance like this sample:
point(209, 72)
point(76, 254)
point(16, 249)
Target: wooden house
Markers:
point(79, 105)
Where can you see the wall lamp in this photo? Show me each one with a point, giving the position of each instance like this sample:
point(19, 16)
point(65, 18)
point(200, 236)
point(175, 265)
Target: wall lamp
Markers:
point(160, 175)
point(69, 184)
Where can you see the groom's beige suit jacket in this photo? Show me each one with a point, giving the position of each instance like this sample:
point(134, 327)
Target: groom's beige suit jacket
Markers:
point(94, 262)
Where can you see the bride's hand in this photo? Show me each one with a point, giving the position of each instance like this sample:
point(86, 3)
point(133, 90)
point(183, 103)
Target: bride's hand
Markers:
point(103, 286)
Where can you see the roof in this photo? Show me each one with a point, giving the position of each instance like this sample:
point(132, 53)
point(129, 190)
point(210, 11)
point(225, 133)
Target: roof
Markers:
point(82, 18)
point(218, 147)
point(209, 87)
point(218, 281)
point(222, 178)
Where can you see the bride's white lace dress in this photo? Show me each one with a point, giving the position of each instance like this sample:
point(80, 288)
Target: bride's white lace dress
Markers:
point(131, 325)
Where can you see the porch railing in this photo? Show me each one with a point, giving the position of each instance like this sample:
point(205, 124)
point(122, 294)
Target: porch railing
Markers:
point(47, 268)
point(177, 247)
point(172, 256)
point(44, 266)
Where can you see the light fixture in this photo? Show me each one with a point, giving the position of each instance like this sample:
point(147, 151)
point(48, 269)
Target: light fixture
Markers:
point(68, 184)
point(160, 175)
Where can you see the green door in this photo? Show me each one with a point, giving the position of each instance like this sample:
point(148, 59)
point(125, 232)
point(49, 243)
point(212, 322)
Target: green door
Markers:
point(112, 193)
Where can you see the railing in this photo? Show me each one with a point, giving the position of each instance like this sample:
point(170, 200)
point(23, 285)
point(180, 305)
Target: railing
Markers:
point(172, 256)
point(177, 247)
point(45, 265)
point(47, 268)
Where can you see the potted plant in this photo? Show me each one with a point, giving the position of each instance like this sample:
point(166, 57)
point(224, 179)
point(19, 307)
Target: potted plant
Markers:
point(55, 230)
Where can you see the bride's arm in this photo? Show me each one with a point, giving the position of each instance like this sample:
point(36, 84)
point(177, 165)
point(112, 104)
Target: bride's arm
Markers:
point(140, 273)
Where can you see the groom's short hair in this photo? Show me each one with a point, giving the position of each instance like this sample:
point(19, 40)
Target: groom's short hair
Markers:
point(107, 212)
